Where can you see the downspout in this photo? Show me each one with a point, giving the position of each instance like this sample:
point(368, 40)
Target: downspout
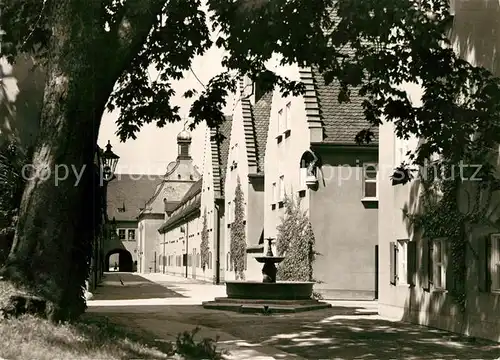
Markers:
point(163, 258)
point(187, 242)
point(217, 245)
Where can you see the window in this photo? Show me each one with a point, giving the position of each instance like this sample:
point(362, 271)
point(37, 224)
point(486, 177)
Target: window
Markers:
point(282, 188)
point(370, 174)
point(439, 263)
point(402, 258)
point(288, 116)
point(281, 120)
point(275, 194)
point(495, 262)
point(121, 234)
point(230, 212)
point(131, 234)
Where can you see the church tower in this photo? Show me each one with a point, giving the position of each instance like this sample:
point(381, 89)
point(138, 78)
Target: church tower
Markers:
point(184, 145)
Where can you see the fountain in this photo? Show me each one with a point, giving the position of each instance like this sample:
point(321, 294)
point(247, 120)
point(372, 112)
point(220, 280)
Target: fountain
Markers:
point(269, 295)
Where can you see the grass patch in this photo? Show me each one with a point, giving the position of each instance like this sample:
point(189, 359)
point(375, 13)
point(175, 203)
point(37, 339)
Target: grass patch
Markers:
point(93, 337)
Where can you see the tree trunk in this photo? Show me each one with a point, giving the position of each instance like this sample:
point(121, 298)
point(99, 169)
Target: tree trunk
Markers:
point(49, 259)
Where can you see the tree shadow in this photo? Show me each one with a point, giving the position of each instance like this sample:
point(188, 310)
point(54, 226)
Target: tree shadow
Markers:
point(356, 338)
point(340, 332)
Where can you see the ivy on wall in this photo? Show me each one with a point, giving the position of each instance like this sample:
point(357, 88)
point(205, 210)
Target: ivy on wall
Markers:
point(443, 217)
point(295, 241)
point(238, 243)
point(204, 249)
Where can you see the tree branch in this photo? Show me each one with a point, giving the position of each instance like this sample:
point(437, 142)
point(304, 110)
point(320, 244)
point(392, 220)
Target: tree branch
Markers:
point(132, 30)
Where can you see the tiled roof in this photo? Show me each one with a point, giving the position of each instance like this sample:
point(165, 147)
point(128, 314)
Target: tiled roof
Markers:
point(262, 113)
point(249, 131)
point(170, 206)
point(128, 193)
point(193, 190)
point(181, 211)
point(341, 122)
point(220, 155)
point(255, 126)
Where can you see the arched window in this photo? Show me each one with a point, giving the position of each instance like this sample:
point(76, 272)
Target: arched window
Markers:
point(308, 167)
point(228, 264)
point(210, 260)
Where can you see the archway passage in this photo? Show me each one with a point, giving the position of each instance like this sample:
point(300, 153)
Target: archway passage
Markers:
point(124, 263)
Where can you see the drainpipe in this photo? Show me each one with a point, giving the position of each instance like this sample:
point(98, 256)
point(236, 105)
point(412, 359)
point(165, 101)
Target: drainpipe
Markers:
point(217, 245)
point(187, 242)
point(164, 256)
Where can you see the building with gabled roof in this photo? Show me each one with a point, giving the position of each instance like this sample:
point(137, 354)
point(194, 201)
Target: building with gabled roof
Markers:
point(180, 176)
point(126, 196)
point(312, 155)
point(181, 233)
point(246, 159)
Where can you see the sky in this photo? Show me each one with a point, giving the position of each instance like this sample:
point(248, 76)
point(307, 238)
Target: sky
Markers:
point(154, 148)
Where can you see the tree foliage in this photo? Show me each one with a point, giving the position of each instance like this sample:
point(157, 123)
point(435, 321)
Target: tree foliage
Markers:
point(238, 245)
point(12, 160)
point(204, 248)
point(295, 242)
point(373, 47)
point(389, 44)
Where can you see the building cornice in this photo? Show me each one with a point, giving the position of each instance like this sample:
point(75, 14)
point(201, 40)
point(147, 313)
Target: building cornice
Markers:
point(318, 146)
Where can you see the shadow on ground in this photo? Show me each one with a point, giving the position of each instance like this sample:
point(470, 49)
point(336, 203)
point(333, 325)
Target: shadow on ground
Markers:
point(126, 286)
point(338, 332)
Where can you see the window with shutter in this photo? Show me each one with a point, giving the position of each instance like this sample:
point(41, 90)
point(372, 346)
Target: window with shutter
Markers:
point(411, 262)
point(439, 263)
point(483, 264)
point(426, 265)
point(392, 265)
point(402, 260)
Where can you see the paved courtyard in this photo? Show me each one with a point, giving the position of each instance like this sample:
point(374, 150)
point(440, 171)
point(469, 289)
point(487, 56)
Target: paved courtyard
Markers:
point(348, 330)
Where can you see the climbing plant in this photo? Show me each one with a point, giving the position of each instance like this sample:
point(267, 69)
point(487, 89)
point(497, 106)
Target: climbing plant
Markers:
point(443, 216)
point(295, 241)
point(204, 249)
point(238, 238)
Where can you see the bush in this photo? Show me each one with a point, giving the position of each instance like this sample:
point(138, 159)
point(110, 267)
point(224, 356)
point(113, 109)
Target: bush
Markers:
point(295, 242)
point(204, 249)
point(238, 238)
point(205, 349)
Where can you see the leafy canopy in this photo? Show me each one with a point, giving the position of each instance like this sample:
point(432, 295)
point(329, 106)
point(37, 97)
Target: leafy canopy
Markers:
point(369, 46)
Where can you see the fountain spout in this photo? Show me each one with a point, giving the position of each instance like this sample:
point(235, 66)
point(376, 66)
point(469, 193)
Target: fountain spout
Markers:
point(269, 269)
point(269, 248)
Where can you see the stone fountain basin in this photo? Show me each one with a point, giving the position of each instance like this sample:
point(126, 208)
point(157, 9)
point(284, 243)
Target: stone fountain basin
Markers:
point(269, 259)
point(280, 290)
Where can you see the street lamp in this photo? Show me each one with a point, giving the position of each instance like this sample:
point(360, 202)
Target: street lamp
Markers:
point(109, 162)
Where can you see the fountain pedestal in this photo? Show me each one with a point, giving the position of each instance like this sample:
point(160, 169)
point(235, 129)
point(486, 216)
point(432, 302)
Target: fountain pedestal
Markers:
point(269, 269)
point(268, 296)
